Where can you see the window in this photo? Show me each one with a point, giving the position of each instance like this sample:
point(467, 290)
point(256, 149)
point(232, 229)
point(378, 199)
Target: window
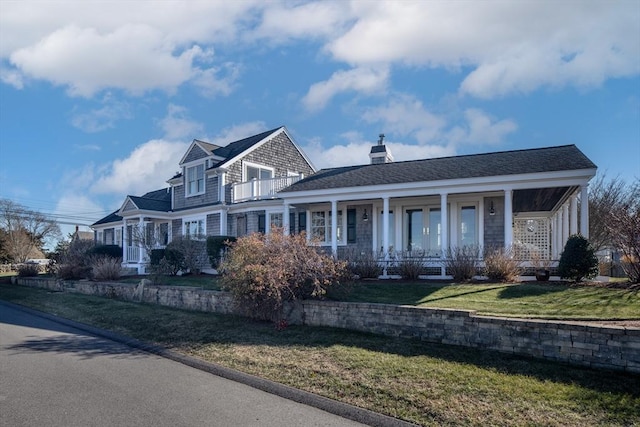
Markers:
point(164, 233)
point(392, 230)
point(195, 180)
point(423, 231)
point(415, 229)
point(275, 220)
point(468, 226)
point(321, 226)
point(118, 237)
point(194, 228)
point(257, 172)
point(99, 239)
point(262, 228)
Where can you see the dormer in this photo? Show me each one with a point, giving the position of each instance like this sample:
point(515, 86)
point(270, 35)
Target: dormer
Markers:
point(198, 158)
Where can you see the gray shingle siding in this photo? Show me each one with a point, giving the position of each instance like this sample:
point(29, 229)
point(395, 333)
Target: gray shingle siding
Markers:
point(176, 228)
point(279, 153)
point(129, 206)
point(494, 224)
point(210, 195)
point(196, 153)
point(213, 224)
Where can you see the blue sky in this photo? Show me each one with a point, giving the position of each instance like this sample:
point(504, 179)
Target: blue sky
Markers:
point(100, 99)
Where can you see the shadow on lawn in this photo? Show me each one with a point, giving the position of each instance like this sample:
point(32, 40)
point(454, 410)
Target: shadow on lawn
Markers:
point(530, 290)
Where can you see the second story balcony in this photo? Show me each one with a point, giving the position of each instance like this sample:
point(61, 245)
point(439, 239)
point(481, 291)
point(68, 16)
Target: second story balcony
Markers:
point(260, 189)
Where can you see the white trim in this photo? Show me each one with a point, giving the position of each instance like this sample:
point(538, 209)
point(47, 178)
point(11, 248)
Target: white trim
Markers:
point(258, 166)
point(466, 185)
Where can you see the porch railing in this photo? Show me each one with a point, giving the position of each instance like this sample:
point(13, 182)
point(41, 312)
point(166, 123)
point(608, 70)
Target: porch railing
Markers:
point(133, 253)
point(258, 189)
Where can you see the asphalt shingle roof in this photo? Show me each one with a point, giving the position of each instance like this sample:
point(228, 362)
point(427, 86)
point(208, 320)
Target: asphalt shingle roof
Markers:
point(566, 157)
point(158, 200)
point(234, 148)
point(112, 217)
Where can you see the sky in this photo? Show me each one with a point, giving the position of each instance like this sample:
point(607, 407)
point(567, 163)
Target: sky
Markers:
point(100, 99)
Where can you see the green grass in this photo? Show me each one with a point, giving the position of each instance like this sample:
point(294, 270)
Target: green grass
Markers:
point(420, 382)
point(531, 300)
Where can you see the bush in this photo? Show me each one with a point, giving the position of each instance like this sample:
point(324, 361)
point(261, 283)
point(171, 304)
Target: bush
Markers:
point(500, 266)
point(28, 270)
point(265, 271)
point(578, 260)
point(189, 254)
point(217, 247)
point(364, 264)
point(113, 251)
point(411, 265)
point(462, 262)
point(72, 272)
point(106, 267)
point(165, 262)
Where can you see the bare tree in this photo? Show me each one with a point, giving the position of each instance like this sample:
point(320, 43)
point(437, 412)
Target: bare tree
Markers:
point(624, 225)
point(605, 196)
point(24, 230)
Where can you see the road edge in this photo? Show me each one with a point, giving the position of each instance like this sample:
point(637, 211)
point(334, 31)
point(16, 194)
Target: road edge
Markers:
point(326, 404)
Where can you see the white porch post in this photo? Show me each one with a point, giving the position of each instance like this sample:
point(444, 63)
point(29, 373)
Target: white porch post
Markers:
point(508, 218)
point(573, 219)
point(125, 242)
point(223, 222)
point(565, 224)
point(444, 223)
point(285, 219)
point(481, 226)
point(584, 211)
point(554, 243)
point(142, 234)
point(222, 179)
point(334, 227)
point(308, 225)
point(267, 222)
point(558, 235)
point(385, 226)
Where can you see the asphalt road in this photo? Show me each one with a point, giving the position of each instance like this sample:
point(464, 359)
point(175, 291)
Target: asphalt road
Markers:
point(54, 375)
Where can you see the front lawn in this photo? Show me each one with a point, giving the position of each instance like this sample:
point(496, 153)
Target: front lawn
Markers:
point(531, 300)
point(421, 382)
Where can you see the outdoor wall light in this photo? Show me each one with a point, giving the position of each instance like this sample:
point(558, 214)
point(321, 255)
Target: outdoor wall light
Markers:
point(492, 211)
point(365, 217)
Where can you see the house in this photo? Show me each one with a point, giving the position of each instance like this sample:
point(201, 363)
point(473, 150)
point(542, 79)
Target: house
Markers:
point(528, 199)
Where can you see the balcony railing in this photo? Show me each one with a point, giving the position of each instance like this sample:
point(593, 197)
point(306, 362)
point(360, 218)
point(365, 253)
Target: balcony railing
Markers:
point(258, 189)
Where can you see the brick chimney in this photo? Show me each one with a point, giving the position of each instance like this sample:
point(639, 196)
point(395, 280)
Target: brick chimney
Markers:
point(380, 153)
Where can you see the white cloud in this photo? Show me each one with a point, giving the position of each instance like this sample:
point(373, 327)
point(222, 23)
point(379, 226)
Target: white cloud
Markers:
point(362, 80)
point(11, 77)
point(147, 168)
point(102, 118)
point(510, 47)
point(355, 151)
point(405, 115)
point(135, 46)
point(77, 209)
point(176, 125)
point(480, 128)
point(237, 132)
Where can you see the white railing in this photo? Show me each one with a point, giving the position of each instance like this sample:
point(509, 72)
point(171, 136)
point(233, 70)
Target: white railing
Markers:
point(133, 253)
point(258, 189)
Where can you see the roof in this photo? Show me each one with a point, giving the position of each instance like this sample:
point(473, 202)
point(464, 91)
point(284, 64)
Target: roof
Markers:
point(158, 200)
point(237, 147)
point(537, 160)
point(112, 217)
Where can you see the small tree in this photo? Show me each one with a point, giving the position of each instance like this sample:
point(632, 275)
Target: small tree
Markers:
point(578, 259)
point(265, 271)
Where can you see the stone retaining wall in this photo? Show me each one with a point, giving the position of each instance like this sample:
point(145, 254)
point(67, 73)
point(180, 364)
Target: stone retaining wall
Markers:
point(171, 296)
point(602, 347)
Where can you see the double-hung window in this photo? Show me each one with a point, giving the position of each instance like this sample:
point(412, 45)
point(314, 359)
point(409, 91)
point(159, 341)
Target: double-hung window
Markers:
point(194, 229)
point(195, 180)
point(321, 226)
